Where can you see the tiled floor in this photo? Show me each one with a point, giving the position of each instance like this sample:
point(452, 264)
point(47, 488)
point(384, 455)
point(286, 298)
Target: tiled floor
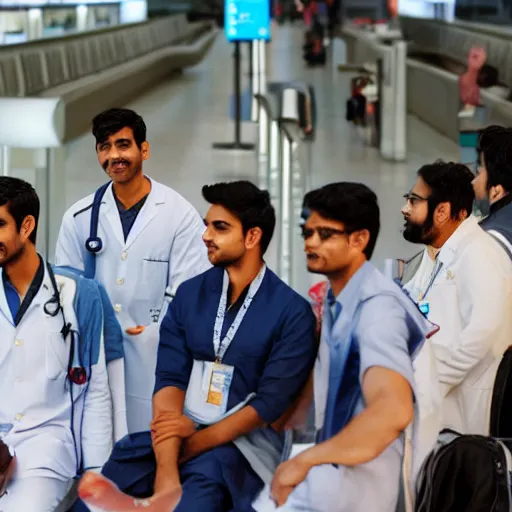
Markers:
point(185, 115)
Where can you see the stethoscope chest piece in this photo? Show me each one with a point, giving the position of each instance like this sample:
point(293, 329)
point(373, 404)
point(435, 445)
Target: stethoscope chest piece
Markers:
point(78, 375)
point(94, 244)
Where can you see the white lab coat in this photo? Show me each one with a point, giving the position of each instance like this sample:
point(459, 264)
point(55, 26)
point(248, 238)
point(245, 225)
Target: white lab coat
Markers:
point(471, 301)
point(163, 249)
point(36, 400)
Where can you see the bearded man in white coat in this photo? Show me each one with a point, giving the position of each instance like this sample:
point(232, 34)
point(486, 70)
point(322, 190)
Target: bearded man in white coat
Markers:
point(463, 283)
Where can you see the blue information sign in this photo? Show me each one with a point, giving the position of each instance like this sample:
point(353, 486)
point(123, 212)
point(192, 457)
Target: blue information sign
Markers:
point(247, 20)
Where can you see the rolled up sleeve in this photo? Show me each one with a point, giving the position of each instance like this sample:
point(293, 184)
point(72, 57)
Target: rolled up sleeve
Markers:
point(174, 360)
point(289, 365)
point(383, 337)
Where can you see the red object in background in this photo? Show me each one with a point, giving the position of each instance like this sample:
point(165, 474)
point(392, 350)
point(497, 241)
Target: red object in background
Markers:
point(318, 293)
point(469, 90)
point(393, 8)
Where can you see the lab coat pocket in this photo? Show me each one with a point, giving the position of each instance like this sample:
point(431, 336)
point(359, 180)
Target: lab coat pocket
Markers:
point(154, 278)
point(57, 355)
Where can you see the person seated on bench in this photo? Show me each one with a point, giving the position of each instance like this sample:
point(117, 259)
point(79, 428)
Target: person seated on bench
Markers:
point(55, 410)
point(237, 346)
point(363, 378)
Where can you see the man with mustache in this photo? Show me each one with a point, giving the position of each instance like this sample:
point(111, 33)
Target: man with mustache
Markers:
point(463, 283)
point(140, 239)
point(236, 347)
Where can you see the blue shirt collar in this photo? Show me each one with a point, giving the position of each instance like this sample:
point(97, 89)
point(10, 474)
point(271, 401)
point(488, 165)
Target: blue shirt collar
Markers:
point(348, 295)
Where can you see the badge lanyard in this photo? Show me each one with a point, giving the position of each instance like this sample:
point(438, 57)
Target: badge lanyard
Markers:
point(433, 277)
point(220, 346)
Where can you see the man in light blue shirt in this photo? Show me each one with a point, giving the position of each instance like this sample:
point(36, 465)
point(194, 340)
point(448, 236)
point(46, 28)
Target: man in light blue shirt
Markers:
point(363, 379)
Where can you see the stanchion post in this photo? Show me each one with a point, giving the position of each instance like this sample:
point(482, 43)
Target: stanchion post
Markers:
point(237, 144)
point(262, 67)
point(255, 80)
point(274, 153)
point(5, 160)
point(400, 110)
point(286, 212)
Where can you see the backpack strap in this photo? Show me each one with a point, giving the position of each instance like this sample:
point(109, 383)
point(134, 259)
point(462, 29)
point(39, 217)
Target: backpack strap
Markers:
point(94, 243)
point(502, 240)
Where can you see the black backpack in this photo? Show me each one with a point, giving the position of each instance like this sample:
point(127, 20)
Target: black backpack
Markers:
point(501, 412)
point(465, 473)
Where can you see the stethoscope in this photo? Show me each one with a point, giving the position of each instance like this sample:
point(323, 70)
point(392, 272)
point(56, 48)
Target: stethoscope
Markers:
point(94, 243)
point(75, 374)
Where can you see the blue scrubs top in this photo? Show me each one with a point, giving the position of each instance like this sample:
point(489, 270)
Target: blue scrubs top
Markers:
point(128, 216)
point(18, 307)
point(273, 351)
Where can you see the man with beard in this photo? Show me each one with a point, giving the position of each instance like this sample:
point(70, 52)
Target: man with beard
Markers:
point(140, 240)
point(464, 284)
point(236, 347)
point(55, 408)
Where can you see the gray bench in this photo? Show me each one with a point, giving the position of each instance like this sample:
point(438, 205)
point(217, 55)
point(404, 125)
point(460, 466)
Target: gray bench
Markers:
point(100, 69)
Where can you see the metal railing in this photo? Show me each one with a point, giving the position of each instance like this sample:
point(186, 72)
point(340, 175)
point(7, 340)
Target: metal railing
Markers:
point(284, 160)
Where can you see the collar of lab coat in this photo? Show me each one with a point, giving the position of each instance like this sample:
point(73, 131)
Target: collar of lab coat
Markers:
point(448, 252)
point(148, 212)
point(43, 295)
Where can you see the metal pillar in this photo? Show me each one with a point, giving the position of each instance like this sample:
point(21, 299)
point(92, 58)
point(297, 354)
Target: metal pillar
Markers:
point(286, 206)
point(5, 160)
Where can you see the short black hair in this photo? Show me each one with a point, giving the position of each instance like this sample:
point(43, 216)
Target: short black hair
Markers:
point(111, 121)
point(21, 200)
point(449, 182)
point(248, 203)
point(353, 204)
point(495, 144)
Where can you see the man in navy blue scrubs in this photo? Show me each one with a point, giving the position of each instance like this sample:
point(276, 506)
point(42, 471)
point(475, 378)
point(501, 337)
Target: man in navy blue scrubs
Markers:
point(236, 348)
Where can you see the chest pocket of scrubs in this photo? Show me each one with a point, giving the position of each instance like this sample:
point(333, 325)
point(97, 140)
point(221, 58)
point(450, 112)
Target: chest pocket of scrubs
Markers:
point(57, 355)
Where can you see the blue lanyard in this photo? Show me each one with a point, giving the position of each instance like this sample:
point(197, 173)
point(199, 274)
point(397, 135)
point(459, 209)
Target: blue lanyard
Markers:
point(439, 265)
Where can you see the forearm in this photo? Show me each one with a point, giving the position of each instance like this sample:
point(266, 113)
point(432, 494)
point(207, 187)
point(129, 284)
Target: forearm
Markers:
point(242, 422)
point(167, 471)
point(361, 441)
point(168, 400)
point(97, 420)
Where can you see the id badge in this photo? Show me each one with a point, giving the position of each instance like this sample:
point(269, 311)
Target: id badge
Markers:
point(424, 307)
point(5, 428)
point(220, 382)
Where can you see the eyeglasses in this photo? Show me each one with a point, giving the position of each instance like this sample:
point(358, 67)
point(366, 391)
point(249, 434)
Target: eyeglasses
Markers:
point(324, 233)
point(414, 199)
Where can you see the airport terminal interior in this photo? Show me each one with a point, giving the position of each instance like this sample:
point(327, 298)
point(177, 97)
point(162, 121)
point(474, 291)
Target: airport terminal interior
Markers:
point(175, 66)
